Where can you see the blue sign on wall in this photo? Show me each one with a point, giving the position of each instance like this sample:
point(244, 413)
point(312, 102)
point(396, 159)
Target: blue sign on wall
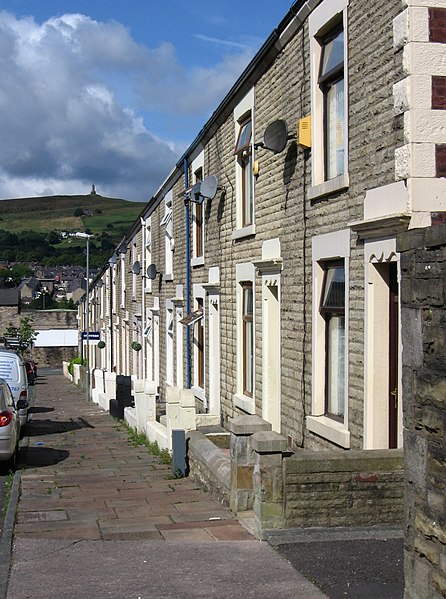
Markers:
point(92, 336)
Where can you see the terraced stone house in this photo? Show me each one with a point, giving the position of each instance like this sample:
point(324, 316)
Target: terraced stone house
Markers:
point(263, 275)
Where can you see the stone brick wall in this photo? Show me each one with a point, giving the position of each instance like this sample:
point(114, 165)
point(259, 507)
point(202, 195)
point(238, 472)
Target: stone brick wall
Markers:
point(53, 356)
point(423, 298)
point(44, 320)
point(358, 488)
point(437, 25)
point(7, 316)
point(304, 489)
point(209, 466)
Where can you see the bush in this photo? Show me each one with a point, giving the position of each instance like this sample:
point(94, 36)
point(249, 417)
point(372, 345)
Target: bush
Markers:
point(75, 360)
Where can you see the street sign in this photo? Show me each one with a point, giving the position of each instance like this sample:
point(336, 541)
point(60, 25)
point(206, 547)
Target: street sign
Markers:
point(92, 336)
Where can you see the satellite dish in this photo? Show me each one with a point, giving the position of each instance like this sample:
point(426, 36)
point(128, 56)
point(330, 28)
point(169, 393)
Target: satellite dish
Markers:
point(122, 249)
point(209, 187)
point(136, 268)
point(152, 272)
point(276, 136)
point(113, 259)
point(195, 193)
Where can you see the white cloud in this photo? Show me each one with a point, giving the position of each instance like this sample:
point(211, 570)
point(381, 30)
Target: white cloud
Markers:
point(67, 106)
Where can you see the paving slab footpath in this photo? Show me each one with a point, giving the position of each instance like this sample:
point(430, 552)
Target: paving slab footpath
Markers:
point(99, 517)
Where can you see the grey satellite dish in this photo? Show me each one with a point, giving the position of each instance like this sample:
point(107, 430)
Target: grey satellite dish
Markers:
point(122, 249)
point(136, 268)
point(276, 136)
point(195, 193)
point(113, 259)
point(152, 272)
point(209, 187)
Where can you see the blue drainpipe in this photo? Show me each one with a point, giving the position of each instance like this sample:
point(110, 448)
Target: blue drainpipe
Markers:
point(187, 224)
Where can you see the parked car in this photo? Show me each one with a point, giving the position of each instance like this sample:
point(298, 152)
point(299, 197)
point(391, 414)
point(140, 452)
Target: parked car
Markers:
point(9, 426)
point(31, 370)
point(13, 371)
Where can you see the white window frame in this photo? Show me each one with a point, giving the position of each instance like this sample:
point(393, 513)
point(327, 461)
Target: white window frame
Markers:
point(241, 112)
point(123, 286)
point(148, 253)
point(179, 380)
point(245, 273)
point(169, 342)
point(197, 165)
point(167, 221)
point(148, 339)
point(322, 20)
point(326, 248)
point(135, 257)
point(199, 294)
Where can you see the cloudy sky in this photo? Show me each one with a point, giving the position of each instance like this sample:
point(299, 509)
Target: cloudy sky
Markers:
point(112, 92)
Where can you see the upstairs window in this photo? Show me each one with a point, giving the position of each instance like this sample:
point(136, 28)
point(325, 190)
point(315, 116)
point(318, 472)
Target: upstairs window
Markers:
point(198, 220)
point(166, 221)
point(243, 152)
point(327, 30)
point(331, 82)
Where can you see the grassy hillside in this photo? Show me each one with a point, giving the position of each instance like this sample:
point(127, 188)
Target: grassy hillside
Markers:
point(57, 213)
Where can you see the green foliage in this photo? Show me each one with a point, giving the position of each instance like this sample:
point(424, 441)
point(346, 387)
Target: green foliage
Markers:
point(15, 274)
point(25, 332)
point(32, 226)
point(75, 360)
point(141, 439)
point(44, 302)
point(8, 485)
point(78, 212)
point(65, 304)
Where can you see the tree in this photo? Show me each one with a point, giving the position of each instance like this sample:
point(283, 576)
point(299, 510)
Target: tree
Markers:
point(25, 333)
point(65, 304)
point(78, 212)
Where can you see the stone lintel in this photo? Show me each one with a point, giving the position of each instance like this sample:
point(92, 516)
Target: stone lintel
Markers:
point(248, 425)
point(269, 442)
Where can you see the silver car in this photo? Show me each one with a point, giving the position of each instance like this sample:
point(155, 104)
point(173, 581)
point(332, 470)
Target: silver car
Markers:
point(9, 427)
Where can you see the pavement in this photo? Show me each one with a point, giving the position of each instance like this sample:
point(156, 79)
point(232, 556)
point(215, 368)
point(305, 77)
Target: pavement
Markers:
point(92, 516)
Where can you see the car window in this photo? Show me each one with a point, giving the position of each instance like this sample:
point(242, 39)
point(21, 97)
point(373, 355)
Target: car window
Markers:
point(8, 369)
point(9, 399)
point(2, 398)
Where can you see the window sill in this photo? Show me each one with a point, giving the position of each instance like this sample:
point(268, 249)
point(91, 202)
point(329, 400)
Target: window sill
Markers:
point(148, 290)
point(168, 277)
point(328, 187)
point(199, 393)
point(329, 429)
point(199, 261)
point(244, 232)
point(245, 403)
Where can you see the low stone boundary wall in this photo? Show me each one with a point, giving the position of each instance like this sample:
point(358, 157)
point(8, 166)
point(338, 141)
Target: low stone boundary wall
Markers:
point(209, 466)
point(354, 488)
point(303, 489)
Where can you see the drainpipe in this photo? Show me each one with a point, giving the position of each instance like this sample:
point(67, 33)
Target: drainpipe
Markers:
point(112, 349)
point(187, 224)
